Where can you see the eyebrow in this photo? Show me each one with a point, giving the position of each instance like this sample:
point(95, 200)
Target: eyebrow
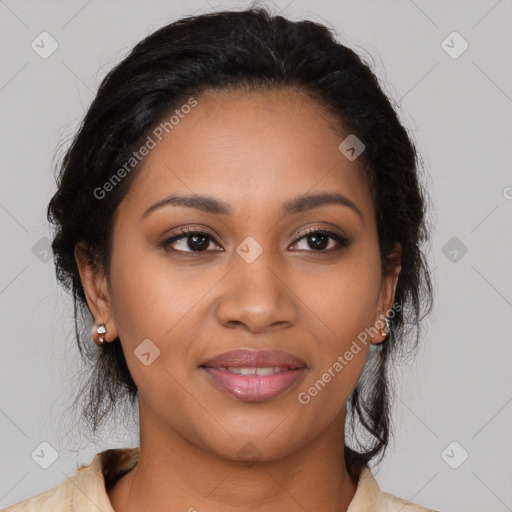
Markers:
point(211, 205)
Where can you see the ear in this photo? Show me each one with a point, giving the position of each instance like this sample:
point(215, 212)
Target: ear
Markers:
point(94, 282)
point(387, 295)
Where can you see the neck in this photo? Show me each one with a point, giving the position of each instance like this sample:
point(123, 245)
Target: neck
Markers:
point(175, 474)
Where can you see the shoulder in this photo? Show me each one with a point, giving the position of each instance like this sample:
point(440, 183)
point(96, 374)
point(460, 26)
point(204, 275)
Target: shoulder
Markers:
point(85, 490)
point(389, 503)
point(369, 496)
point(56, 499)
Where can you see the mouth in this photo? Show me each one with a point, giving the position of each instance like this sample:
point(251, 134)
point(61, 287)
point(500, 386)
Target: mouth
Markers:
point(254, 375)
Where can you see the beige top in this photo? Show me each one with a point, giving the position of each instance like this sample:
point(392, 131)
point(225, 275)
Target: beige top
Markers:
point(86, 490)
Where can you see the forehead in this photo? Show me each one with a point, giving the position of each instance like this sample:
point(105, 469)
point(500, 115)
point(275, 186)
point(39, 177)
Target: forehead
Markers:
point(249, 149)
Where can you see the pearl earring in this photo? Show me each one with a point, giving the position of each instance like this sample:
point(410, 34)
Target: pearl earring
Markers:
point(98, 335)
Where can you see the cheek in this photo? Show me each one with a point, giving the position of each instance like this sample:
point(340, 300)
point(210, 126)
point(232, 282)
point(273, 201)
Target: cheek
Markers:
point(150, 296)
point(344, 298)
point(150, 302)
point(157, 301)
point(343, 302)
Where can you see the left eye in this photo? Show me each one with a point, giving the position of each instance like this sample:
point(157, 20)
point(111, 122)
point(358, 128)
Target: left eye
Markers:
point(319, 241)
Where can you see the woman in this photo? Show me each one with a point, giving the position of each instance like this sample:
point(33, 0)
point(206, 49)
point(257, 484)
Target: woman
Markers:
point(240, 215)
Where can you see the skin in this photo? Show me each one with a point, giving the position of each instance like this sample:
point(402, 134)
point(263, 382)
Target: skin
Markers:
point(255, 151)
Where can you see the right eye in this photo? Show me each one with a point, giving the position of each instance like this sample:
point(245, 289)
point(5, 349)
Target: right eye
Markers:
point(189, 241)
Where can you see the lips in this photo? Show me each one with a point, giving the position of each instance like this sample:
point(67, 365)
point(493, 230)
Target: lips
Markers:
point(254, 375)
point(255, 359)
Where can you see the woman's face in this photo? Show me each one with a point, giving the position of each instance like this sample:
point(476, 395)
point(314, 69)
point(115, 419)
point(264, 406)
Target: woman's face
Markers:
point(252, 279)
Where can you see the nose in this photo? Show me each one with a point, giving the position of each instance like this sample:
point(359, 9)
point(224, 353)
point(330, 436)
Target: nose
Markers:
point(256, 297)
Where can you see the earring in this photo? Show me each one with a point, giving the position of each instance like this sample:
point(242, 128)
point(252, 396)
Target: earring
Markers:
point(385, 331)
point(98, 335)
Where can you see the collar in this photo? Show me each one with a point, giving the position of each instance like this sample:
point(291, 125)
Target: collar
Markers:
point(90, 485)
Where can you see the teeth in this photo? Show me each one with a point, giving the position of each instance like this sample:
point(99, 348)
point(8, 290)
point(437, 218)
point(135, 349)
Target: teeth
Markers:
point(268, 371)
point(257, 371)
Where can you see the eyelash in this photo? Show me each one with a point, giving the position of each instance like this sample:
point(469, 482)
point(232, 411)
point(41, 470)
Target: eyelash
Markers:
point(188, 232)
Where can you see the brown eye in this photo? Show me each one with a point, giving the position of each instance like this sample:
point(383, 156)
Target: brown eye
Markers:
point(189, 241)
point(319, 241)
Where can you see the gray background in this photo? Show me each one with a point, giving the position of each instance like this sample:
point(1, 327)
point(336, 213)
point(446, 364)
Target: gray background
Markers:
point(459, 113)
